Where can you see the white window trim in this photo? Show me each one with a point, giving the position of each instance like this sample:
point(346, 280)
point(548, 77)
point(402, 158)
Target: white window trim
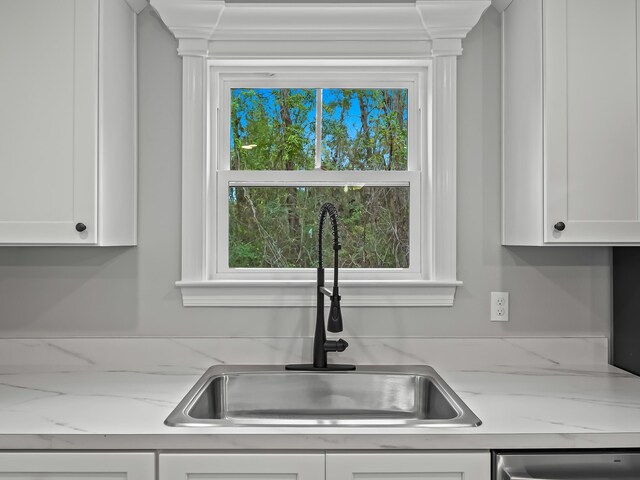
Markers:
point(214, 33)
point(223, 79)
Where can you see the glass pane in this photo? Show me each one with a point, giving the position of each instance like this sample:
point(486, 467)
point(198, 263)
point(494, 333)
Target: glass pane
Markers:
point(276, 227)
point(273, 129)
point(364, 129)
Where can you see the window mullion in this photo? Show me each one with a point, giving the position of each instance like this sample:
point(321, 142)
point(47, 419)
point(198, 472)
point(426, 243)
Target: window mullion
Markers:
point(318, 164)
point(316, 177)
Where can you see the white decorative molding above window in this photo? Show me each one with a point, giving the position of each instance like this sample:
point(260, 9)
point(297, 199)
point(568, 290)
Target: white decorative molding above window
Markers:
point(137, 5)
point(501, 5)
point(411, 46)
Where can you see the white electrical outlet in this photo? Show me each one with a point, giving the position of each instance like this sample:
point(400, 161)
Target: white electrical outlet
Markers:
point(499, 306)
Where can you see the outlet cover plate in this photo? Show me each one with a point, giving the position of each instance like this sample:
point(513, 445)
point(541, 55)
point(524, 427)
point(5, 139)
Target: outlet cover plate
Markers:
point(499, 306)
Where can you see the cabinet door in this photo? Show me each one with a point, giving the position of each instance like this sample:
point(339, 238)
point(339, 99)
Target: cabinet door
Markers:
point(79, 466)
point(236, 466)
point(408, 466)
point(48, 121)
point(591, 121)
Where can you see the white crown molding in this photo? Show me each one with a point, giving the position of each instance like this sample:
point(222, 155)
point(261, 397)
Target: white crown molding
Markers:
point(501, 5)
point(193, 47)
point(137, 5)
point(220, 21)
point(441, 47)
point(190, 18)
point(450, 18)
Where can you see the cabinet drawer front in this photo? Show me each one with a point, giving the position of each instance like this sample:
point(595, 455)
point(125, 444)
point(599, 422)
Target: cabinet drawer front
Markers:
point(408, 466)
point(236, 466)
point(591, 124)
point(77, 466)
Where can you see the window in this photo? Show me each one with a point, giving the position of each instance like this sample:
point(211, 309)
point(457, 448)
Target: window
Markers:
point(311, 46)
point(288, 140)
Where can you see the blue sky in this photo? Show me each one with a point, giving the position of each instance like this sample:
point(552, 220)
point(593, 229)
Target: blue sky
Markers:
point(267, 99)
point(352, 116)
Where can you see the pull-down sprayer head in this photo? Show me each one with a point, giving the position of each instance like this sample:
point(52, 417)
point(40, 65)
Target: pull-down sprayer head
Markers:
point(334, 322)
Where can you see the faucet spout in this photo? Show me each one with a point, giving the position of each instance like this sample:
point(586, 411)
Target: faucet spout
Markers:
point(334, 323)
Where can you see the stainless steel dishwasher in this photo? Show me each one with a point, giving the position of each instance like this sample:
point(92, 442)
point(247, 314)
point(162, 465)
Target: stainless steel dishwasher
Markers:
point(567, 466)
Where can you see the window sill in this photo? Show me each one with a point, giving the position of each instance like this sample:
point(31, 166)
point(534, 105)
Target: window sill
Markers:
point(299, 293)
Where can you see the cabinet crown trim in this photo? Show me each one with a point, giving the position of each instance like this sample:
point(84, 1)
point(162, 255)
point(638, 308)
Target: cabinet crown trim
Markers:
point(316, 21)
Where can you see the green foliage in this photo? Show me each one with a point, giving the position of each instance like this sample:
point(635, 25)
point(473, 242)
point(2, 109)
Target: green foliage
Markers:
point(245, 255)
point(365, 130)
point(279, 122)
point(275, 227)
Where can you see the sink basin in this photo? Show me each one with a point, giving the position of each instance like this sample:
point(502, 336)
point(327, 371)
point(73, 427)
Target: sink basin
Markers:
point(369, 396)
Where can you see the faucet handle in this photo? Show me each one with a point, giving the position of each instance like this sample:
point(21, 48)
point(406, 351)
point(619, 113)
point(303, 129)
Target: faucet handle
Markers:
point(335, 345)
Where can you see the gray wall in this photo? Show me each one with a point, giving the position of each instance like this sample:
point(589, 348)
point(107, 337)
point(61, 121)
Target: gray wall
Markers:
point(130, 291)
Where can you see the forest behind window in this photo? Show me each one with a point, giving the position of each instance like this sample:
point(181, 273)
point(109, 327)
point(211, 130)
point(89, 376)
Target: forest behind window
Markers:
point(318, 129)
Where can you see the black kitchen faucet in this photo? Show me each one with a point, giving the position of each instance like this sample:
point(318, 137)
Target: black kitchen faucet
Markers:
point(334, 324)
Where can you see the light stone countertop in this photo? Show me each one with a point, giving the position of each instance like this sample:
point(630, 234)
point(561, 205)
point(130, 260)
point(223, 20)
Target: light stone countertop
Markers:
point(534, 402)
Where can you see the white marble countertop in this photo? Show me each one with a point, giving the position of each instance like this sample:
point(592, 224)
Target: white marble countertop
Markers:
point(546, 404)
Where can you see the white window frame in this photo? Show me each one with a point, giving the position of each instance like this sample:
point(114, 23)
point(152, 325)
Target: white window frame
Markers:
point(263, 36)
point(223, 79)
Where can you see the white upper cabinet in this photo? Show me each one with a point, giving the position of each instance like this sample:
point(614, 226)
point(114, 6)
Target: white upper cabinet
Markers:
point(570, 100)
point(67, 122)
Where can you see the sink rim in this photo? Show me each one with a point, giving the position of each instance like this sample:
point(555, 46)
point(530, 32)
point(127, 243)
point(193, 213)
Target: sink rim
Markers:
point(179, 417)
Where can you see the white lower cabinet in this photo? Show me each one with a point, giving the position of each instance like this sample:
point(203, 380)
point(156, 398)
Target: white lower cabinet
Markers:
point(246, 466)
point(339, 466)
point(408, 466)
point(79, 466)
point(240, 466)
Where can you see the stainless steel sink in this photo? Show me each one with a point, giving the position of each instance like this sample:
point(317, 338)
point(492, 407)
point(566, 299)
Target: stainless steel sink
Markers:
point(369, 396)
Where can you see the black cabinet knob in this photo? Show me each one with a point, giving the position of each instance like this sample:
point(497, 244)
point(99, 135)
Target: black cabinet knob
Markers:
point(560, 226)
point(81, 227)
